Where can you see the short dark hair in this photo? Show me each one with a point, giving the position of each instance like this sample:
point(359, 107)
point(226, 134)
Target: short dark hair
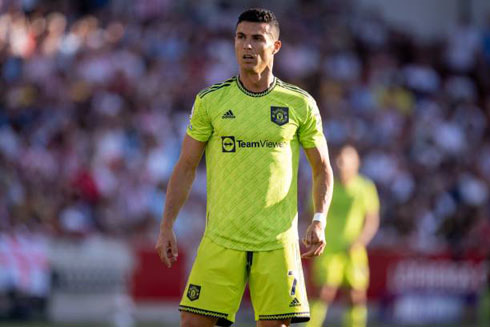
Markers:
point(259, 15)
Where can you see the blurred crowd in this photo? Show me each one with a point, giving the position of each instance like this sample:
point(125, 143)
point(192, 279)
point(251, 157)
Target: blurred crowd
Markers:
point(95, 98)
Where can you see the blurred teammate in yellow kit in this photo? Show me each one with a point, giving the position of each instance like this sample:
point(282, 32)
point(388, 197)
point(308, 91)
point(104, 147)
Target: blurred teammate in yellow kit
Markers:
point(353, 220)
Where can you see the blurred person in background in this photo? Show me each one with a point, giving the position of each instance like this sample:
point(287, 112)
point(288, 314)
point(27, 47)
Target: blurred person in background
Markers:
point(251, 127)
point(353, 221)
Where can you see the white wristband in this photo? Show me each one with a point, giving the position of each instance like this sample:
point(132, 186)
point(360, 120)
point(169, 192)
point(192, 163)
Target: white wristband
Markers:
point(321, 217)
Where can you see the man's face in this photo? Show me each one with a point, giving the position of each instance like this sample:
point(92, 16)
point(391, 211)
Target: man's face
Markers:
point(348, 162)
point(255, 46)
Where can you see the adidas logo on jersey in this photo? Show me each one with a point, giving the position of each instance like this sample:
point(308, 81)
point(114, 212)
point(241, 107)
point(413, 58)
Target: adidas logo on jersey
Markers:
point(228, 114)
point(294, 303)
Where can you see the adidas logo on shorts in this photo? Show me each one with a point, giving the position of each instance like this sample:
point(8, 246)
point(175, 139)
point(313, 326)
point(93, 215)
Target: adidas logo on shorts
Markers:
point(294, 303)
point(228, 114)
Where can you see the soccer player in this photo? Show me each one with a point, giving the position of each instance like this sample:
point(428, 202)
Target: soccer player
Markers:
point(251, 127)
point(353, 221)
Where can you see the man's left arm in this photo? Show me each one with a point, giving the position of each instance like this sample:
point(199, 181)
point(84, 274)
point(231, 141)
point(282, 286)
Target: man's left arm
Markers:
point(322, 196)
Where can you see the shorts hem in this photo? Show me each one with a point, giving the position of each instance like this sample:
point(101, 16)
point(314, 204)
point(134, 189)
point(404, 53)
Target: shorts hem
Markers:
point(222, 317)
point(296, 317)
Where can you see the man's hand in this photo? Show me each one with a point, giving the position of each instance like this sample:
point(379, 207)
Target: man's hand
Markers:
point(356, 245)
point(167, 246)
point(314, 240)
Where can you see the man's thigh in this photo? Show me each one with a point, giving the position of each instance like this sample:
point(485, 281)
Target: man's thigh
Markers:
point(277, 287)
point(216, 283)
point(329, 269)
point(274, 323)
point(188, 319)
point(357, 270)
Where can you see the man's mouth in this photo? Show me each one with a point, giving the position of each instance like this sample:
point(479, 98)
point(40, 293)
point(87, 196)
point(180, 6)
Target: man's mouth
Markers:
point(247, 56)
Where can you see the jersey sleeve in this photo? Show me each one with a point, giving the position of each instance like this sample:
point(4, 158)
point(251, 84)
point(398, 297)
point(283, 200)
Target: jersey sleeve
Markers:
point(200, 127)
point(310, 132)
point(371, 199)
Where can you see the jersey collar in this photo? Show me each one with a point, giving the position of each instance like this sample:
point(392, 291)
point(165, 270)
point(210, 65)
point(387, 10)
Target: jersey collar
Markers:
point(255, 94)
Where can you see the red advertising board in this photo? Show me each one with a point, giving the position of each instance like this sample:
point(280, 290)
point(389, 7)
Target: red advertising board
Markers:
point(152, 280)
point(398, 272)
point(394, 274)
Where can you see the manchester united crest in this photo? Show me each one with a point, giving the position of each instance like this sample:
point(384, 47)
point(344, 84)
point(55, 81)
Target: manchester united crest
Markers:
point(193, 292)
point(280, 115)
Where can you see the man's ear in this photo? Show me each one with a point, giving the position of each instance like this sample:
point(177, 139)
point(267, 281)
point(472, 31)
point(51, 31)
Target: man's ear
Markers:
point(277, 46)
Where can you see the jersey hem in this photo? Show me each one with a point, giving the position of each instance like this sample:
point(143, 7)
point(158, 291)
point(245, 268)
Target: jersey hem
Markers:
point(309, 146)
point(315, 143)
point(196, 138)
point(275, 246)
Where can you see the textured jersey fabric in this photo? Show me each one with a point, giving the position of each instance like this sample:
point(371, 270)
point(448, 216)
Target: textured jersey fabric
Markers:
point(350, 204)
point(252, 154)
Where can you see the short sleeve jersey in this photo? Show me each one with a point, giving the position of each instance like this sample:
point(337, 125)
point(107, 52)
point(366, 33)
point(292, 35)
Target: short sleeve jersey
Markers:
point(252, 156)
point(347, 212)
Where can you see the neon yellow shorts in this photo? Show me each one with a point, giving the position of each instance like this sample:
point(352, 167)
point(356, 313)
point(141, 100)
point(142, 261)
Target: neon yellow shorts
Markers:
point(342, 269)
point(219, 276)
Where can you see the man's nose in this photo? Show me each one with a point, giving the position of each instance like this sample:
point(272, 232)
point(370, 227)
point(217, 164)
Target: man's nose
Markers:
point(247, 45)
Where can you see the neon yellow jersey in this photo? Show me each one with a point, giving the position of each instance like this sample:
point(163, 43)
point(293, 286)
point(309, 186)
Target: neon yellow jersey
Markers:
point(252, 157)
point(350, 204)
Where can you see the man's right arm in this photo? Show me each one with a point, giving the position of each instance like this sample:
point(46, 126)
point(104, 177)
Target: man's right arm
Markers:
point(178, 190)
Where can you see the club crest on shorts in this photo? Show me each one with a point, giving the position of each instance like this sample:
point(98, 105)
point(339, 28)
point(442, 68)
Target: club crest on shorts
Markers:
point(193, 292)
point(280, 115)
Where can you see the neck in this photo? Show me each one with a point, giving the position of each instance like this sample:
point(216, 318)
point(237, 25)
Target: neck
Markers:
point(256, 82)
point(345, 180)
